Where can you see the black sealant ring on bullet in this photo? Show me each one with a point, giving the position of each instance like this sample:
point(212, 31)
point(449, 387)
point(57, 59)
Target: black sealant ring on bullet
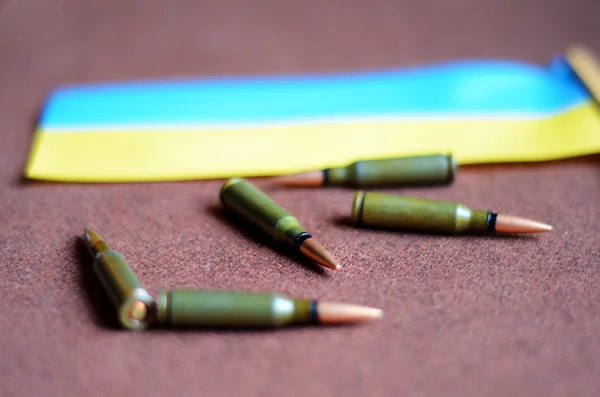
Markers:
point(491, 222)
point(300, 239)
point(313, 314)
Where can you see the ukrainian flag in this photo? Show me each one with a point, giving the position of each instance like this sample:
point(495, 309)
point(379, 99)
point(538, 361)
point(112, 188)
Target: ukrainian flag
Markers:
point(480, 111)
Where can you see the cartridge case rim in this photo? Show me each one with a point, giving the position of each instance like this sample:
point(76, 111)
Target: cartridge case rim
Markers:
point(137, 295)
point(452, 168)
point(357, 207)
point(229, 182)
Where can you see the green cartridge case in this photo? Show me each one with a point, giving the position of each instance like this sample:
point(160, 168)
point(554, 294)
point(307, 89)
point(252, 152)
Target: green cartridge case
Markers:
point(135, 307)
point(420, 170)
point(200, 308)
point(255, 206)
point(416, 214)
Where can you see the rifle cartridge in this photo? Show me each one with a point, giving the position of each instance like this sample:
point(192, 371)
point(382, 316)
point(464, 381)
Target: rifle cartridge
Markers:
point(417, 214)
point(255, 206)
point(406, 171)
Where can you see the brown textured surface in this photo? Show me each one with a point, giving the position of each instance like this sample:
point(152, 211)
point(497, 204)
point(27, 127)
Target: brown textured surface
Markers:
point(464, 315)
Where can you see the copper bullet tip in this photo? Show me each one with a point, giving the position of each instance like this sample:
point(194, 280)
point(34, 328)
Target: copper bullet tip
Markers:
point(94, 242)
point(319, 254)
point(513, 224)
point(305, 179)
point(92, 236)
point(343, 313)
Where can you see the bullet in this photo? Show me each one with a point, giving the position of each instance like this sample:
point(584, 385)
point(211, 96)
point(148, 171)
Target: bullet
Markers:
point(416, 214)
point(205, 308)
point(406, 171)
point(254, 205)
point(135, 307)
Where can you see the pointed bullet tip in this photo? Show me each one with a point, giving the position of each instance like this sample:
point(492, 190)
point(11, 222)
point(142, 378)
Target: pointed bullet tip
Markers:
point(92, 235)
point(94, 241)
point(377, 314)
point(327, 264)
point(514, 224)
point(341, 313)
point(315, 251)
point(305, 179)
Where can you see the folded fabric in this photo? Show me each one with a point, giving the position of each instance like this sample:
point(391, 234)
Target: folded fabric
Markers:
point(481, 111)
